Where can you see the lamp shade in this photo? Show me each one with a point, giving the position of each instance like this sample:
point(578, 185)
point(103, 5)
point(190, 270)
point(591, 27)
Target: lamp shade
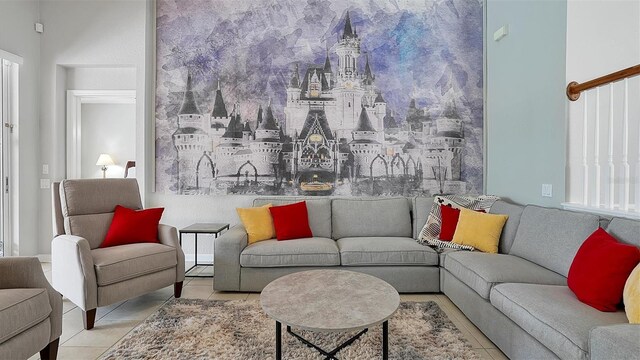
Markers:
point(104, 160)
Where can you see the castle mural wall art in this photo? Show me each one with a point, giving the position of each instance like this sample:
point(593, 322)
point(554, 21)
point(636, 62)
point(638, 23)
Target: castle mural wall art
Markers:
point(319, 97)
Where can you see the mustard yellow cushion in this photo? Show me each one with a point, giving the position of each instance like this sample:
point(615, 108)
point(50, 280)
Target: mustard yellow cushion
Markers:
point(258, 223)
point(631, 296)
point(480, 230)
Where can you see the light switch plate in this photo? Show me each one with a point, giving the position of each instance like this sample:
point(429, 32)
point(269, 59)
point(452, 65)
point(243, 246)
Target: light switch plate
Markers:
point(547, 190)
point(45, 169)
point(45, 184)
point(500, 33)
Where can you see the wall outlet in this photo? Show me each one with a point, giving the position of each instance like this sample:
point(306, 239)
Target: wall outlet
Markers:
point(45, 169)
point(45, 183)
point(500, 33)
point(39, 28)
point(547, 190)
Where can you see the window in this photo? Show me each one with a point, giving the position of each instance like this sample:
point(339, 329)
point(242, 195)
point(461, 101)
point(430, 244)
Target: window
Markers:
point(8, 116)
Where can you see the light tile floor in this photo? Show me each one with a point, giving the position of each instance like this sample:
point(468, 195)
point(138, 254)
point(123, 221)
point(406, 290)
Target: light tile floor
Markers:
point(115, 321)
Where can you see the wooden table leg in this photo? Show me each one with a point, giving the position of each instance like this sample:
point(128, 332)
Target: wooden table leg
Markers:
point(385, 340)
point(278, 341)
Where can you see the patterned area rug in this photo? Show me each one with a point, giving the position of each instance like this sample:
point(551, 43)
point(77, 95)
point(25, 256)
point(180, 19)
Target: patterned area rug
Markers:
point(212, 329)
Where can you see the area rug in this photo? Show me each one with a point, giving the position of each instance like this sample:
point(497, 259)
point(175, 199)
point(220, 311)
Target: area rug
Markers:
point(213, 329)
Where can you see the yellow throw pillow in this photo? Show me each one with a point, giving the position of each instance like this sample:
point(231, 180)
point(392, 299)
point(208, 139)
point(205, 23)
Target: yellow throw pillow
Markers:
point(480, 230)
point(631, 296)
point(258, 223)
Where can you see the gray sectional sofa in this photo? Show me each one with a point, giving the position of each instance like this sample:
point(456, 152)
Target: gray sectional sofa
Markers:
point(518, 298)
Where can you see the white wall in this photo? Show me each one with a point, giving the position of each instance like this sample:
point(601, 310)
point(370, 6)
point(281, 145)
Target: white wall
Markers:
point(525, 100)
point(18, 37)
point(596, 48)
point(86, 34)
point(107, 129)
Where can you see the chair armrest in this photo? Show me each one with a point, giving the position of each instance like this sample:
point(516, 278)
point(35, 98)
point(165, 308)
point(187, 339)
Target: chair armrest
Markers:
point(620, 341)
point(168, 235)
point(26, 272)
point(73, 273)
point(226, 262)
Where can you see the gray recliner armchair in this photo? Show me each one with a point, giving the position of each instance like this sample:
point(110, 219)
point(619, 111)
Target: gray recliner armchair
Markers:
point(30, 310)
point(91, 276)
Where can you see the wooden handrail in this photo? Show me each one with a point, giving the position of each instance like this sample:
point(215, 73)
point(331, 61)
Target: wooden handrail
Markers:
point(574, 89)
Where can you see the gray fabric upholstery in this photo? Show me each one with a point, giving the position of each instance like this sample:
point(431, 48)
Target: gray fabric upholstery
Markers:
point(621, 342)
point(371, 217)
point(58, 219)
point(316, 251)
point(226, 258)
point(482, 271)
point(21, 309)
point(120, 263)
point(625, 230)
point(403, 278)
point(72, 271)
point(380, 251)
point(421, 209)
point(30, 309)
point(553, 315)
point(97, 196)
point(93, 227)
point(552, 237)
point(511, 226)
point(111, 294)
point(168, 235)
point(512, 340)
point(443, 255)
point(27, 343)
point(318, 210)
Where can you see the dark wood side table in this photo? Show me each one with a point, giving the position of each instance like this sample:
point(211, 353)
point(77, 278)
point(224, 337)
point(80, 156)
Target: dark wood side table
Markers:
point(202, 228)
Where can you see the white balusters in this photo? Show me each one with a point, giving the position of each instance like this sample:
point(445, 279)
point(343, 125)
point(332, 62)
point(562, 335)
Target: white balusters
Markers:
point(596, 159)
point(626, 177)
point(585, 152)
point(610, 165)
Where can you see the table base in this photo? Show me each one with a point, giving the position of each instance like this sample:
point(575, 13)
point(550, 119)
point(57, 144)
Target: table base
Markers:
point(331, 355)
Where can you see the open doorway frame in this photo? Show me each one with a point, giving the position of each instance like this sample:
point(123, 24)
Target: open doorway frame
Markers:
point(75, 99)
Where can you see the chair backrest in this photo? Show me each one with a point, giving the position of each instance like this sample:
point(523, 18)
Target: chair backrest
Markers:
point(86, 206)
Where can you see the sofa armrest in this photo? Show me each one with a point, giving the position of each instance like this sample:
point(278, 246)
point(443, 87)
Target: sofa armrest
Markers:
point(620, 341)
point(26, 272)
point(226, 262)
point(168, 235)
point(73, 273)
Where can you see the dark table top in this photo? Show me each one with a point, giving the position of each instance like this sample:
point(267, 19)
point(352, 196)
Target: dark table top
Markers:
point(205, 228)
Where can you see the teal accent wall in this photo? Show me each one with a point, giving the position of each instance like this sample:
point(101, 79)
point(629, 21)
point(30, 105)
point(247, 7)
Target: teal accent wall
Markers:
point(526, 102)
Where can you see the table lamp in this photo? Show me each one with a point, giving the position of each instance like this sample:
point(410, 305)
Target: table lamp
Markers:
point(104, 160)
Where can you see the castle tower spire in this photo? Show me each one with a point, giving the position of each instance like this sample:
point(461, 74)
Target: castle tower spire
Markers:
point(368, 75)
point(327, 63)
point(189, 106)
point(348, 30)
point(219, 108)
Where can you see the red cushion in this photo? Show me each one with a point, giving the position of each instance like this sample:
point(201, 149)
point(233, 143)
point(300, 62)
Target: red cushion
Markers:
point(130, 226)
point(291, 221)
point(600, 269)
point(449, 217)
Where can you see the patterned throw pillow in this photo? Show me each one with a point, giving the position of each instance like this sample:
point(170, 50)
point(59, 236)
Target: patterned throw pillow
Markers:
point(431, 230)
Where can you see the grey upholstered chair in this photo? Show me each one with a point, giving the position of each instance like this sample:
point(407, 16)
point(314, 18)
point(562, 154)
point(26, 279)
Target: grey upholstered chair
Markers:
point(91, 276)
point(30, 310)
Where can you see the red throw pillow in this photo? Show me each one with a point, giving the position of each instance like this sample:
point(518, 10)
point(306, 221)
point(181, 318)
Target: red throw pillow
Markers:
point(600, 269)
point(130, 226)
point(449, 223)
point(291, 221)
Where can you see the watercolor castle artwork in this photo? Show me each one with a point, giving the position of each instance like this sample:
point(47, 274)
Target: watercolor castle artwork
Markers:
point(319, 98)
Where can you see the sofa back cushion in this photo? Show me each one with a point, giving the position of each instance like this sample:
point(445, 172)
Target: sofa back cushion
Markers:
point(511, 226)
point(87, 205)
point(625, 230)
point(552, 237)
point(318, 209)
point(371, 217)
point(421, 209)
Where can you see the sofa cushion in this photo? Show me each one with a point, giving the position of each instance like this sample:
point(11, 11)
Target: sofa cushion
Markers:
point(318, 210)
point(511, 226)
point(21, 309)
point(552, 237)
point(315, 251)
point(421, 209)
point(124, 262)
point(371, 217)
point(381, 251)
point(552, 315)
point(625, 230)
point(483, 271)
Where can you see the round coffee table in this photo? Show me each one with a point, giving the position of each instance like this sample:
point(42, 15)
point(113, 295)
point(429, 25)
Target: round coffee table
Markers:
point(330, 301)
